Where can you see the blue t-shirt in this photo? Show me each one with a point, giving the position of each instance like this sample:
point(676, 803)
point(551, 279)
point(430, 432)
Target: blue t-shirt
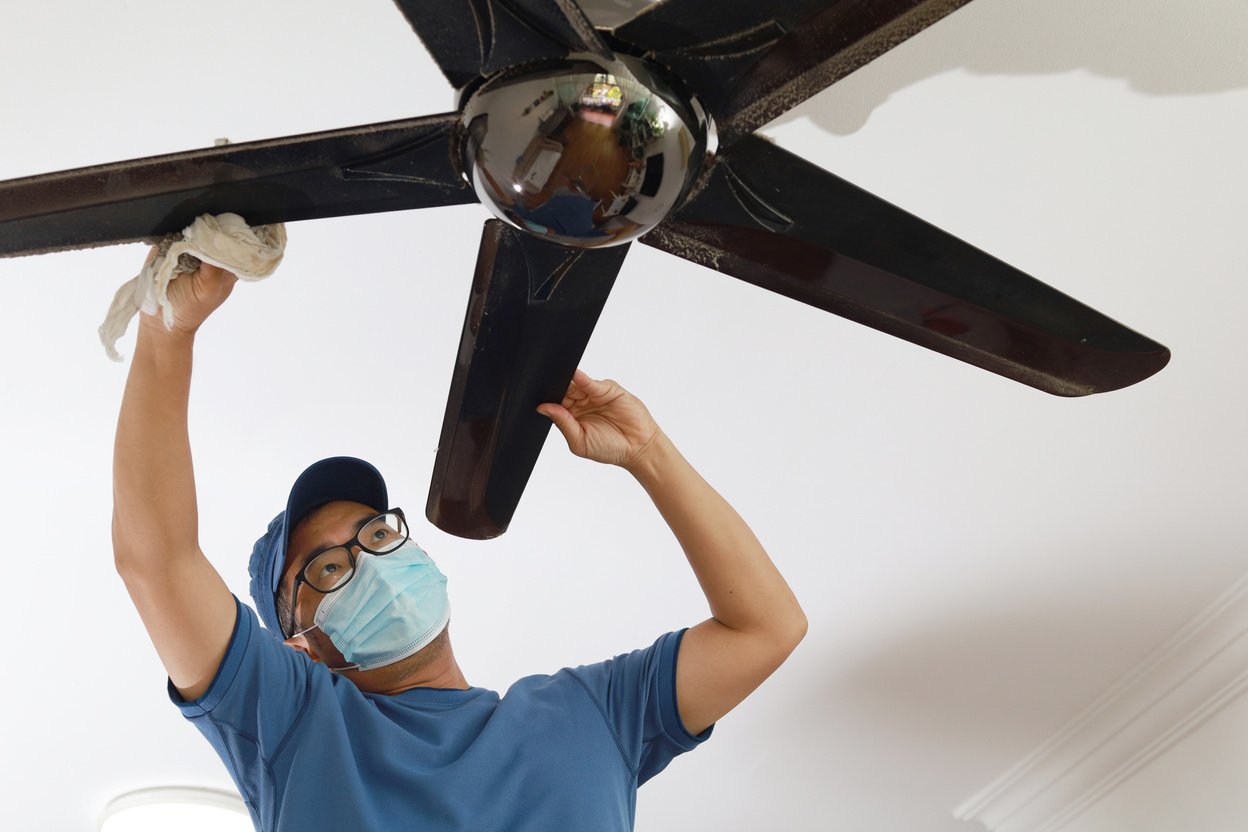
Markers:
point(310, 751)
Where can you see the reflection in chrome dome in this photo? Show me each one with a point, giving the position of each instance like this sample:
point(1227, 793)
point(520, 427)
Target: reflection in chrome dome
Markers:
point(583, 153)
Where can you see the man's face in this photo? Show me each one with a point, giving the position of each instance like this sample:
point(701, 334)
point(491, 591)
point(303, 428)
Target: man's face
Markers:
point(333, 524)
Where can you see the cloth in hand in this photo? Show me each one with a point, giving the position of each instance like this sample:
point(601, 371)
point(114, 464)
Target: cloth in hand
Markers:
point(225, 241)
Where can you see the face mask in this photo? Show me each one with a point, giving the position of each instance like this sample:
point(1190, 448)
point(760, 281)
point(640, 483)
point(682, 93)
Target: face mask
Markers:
point(394, 605)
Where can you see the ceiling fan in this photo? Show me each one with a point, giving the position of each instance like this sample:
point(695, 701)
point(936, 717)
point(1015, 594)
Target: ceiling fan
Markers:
point(580, 139)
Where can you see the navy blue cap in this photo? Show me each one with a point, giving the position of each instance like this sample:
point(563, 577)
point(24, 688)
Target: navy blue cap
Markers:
point(335, 478)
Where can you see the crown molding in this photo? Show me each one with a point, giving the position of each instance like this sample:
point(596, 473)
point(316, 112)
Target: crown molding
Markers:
point(1194, 674)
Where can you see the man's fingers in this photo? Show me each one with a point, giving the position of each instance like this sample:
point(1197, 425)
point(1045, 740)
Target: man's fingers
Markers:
point(564, 421)
point(590, 387)
point(572, 395)
point(581, 387)
point(590, 384)
point(212, 272)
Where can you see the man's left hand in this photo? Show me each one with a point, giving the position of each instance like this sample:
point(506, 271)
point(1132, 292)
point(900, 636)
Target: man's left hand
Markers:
point(602, 421)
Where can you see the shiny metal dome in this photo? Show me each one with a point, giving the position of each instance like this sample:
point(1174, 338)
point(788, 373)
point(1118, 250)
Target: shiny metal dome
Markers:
point(582, 152)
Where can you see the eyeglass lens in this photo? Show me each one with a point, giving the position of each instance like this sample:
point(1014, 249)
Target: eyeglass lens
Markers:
point(333, 567)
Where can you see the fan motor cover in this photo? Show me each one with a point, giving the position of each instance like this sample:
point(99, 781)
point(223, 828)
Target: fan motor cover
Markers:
point(583, 152)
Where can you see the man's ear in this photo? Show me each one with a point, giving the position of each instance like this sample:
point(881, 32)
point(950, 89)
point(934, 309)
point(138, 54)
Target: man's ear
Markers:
point(300, 642)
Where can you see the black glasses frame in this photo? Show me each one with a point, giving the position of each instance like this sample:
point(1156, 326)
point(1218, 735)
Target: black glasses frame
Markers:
point(350, 545)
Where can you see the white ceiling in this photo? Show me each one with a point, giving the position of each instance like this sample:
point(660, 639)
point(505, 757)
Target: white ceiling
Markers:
point(978, 560)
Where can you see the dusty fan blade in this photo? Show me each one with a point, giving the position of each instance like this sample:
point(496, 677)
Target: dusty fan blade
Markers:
point(532, 309)
point(751, 62)
point(777, 221)
point(390, 166)
point(474, 38)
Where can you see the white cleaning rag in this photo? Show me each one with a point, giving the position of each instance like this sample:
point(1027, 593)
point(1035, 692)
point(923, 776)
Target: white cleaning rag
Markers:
point(225, 241)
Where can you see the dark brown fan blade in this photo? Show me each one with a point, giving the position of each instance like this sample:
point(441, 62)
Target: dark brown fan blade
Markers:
point(777, 221)
point(359, 170)
point(532, 309)
point(474, 38)
point(751, 62)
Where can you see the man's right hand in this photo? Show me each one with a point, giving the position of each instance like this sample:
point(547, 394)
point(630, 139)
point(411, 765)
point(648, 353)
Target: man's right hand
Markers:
point(194, 296)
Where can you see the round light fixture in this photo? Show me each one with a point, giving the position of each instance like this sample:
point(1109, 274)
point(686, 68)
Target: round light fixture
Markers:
point(187, 809)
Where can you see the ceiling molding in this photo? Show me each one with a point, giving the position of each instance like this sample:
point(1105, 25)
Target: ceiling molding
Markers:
point(1198, 671)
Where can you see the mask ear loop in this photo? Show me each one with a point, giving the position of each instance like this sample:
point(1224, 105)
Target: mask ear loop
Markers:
point(305, 630)
point(343, 669)
point(330, 669)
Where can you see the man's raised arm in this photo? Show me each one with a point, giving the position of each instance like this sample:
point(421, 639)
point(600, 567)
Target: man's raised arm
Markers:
point(186, 607)
point(756, 620)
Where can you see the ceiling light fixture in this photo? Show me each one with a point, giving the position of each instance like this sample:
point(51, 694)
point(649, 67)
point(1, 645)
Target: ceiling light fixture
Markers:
point(185, 808)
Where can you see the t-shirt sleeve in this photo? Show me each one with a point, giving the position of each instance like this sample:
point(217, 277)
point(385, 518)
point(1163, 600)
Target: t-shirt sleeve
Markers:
point(637, 694)
point(256, 698)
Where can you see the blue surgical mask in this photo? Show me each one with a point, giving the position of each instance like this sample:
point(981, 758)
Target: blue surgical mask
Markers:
point(394, 605)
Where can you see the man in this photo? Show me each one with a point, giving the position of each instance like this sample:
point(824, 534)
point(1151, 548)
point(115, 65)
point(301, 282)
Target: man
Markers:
point(368, 722)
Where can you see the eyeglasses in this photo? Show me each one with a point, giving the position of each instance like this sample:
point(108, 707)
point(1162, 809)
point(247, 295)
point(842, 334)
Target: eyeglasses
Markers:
point(334, 568)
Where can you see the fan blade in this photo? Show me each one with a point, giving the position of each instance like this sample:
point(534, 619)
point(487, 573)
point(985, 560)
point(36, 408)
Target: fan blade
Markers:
point(390, 166)
point(470, 39)
point(777, 221)
point(532, 309)
point(751, 62)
